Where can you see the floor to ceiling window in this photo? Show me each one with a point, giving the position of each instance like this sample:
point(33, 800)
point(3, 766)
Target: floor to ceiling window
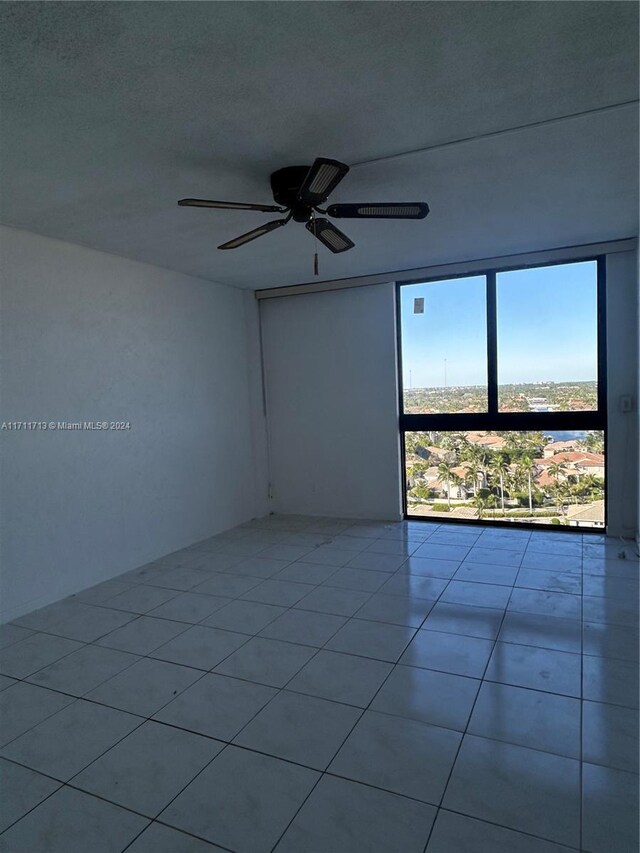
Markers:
point(502, 395)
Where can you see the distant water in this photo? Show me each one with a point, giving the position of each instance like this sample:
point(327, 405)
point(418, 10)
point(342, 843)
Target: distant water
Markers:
point(567, 435)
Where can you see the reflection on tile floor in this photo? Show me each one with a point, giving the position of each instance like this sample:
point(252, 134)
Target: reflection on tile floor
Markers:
point(317, 685)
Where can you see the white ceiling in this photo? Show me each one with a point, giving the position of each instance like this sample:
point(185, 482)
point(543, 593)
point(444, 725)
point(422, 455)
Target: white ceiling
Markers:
point(113, 111)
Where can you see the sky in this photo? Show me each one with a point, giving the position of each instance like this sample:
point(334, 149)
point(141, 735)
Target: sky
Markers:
point(547, 328)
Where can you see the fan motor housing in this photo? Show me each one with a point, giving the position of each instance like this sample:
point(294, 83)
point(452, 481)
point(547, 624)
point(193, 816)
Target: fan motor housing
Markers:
point(285, 184)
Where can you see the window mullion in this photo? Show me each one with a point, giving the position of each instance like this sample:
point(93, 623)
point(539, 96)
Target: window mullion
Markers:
point(492, 345)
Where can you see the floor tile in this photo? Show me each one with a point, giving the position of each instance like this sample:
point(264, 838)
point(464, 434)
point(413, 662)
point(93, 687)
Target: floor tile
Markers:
point(270, 662)
point(431, 567)
point(545, 603)
point(344, 817)
point(227, 586)
point(359, 579)
point(341, 678)
point(607, 586)
point(371, 561)
point(477, 595)
point(611, 611)
point(33, 653)
point(486, 573)
point(357, 544)
point(216, 706)
point(551, 562)
point(495, 556)
point(522, 789)
point(565, 546)
point(371, 639)
point(610, 736)
point(214, 562)
point(65, 743)
point(529, 718)
point(200, 647)
point(455, 833)
point(10, 634)
point(448, 653)
point(339, 602)
point(162, 839)
point(327, 555)
point(252, 813)
point(610, 568)
point(83, 670)
point(190, 607)
point(143, 635)
point(395, 609)
point(245, 617)
point(47, 617)
point(278, 592)
point(101, 592)
point(147, 769)
point(141, 599)
point(556, 581)
point(243, 549)
point(304, 627)
point(545, 632)
point(393, 546)
point(414, 586)
point(399, 755)
point(310, 573)
point(427, 696)
point(5, 682)
point(482, 622)
point(179, 579)
point(73, 822)
point(22, 789)
point(299, 728)
point(448, 536)
point(87, 622)
point(610, 641)
point(610, 680)
point(289, 553)
point(442, 552)
point(145, 687)
point(610, 810)
point(259, 567)
point(23, 706)
point(540, 669)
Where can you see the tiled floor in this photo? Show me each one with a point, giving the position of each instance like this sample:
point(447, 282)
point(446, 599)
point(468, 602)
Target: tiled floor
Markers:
point(306, 685)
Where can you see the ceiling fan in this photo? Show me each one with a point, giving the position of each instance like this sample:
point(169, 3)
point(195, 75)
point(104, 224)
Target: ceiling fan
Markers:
point(298, 191)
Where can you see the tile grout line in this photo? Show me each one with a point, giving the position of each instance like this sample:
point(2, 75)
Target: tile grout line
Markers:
point(464, 733)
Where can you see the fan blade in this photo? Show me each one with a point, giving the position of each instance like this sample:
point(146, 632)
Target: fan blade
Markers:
point(405, 210)
point(251, 235)
point(229, 205)
point(328, 234)
point(321, 180)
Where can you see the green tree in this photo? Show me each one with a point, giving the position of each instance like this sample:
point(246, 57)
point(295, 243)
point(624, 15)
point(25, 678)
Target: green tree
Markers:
point(500, 469)
point(446, 473)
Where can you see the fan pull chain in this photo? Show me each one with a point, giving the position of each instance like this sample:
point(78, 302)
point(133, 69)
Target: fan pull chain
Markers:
point(316, 270)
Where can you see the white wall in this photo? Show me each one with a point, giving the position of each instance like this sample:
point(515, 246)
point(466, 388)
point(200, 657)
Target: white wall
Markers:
point(330, 362)
point(332, 400)
point(622, 378)
point(88, 336)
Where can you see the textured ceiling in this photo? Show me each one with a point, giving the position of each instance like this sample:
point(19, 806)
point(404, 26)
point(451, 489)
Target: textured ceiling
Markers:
point(113, 111)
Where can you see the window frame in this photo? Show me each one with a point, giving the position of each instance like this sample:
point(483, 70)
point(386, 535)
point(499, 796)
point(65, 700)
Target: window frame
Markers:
point(493, 419)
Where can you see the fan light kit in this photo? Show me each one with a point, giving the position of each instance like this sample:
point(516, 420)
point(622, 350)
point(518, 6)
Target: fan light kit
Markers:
point(298, 191)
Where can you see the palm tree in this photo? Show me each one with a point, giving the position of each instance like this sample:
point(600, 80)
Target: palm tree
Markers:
point(481, 505)
point(557, 470)
point(446, 473)
point(525, 465)
point(472, 472)
point(500, 468)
